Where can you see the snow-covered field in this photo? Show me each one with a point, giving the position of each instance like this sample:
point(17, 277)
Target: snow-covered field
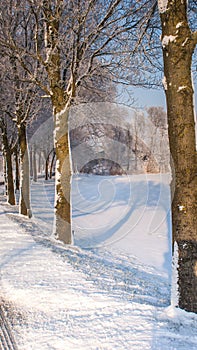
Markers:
point(111, 289)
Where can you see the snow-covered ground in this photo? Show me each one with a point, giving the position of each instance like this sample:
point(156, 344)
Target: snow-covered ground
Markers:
point(111, 289)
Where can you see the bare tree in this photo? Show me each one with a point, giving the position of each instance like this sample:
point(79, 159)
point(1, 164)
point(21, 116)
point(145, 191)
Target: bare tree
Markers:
point(158, 144)
point(178, 42)
point(158, 117)
point(137, 127)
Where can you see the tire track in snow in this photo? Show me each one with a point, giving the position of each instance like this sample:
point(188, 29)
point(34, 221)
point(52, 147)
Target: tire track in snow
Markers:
point(7, 341)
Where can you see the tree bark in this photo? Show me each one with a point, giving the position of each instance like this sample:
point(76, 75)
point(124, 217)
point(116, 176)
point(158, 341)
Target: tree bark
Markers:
point(31, 161)
point(5, 175)
point(61, 101)
point(129, 143)
point(24, 201)
point(34, 165)
point(17, 176)
point(178, 46)
point(46, 168)
point(9, 181)
point(63, 179)
point(51, 165)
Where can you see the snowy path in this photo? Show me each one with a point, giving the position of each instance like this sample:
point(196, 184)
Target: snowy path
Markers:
point(74, 298)
point(62, 309)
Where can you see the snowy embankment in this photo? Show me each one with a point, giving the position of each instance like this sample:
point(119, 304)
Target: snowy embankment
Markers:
point(111, 290)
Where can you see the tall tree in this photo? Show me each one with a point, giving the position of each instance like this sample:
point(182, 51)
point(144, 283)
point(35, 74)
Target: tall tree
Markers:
point(178, 42)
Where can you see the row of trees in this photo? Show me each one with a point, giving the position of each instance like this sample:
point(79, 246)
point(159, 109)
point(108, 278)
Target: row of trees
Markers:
point(131, 138)
point(62, 49)
point(134, 139)
point(140, 145)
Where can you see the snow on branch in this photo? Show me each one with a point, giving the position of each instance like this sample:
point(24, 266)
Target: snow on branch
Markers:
point(164, 81)
point(162, 5)
point(168, 39)
point(181, 88)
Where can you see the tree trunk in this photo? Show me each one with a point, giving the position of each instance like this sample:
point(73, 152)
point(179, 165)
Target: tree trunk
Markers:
point(128, 145)
point(39, 162)
point(63, 179)
point(178, 46)
point(5, 175)
point(31, 161)
point(51, 166)
point(17, 176)
point(8, 171)
point(24, 201)
point(10, 180)
point(136, 153)
point(34, 165)
point(61, 100)
point(46, 166)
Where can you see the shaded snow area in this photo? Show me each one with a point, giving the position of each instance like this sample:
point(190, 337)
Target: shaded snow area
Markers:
point(111, 289)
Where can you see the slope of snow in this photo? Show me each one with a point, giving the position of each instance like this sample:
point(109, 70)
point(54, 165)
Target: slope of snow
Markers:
point(121, 212)
point(111, 289)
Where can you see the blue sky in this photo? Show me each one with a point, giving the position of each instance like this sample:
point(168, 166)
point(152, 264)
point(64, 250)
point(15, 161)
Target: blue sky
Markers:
point(149, 97)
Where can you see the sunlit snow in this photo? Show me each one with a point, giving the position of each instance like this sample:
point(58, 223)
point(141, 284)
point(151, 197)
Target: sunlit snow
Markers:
point(163, 5)
point(111, 290)
point(168, 39)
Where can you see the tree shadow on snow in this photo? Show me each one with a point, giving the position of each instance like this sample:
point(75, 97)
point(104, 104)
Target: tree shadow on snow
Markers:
point(139, 199)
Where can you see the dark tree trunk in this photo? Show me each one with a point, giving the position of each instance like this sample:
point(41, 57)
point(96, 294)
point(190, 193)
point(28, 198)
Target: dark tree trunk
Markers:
point(10, 180)
point(178, 46)
point(47, 167)
point(17, 176)
point(8, 171)
point(31, 161)
point(129, 143)
point(5, 175)
point(24, 201)
point(34, 165)
point(51, 166)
